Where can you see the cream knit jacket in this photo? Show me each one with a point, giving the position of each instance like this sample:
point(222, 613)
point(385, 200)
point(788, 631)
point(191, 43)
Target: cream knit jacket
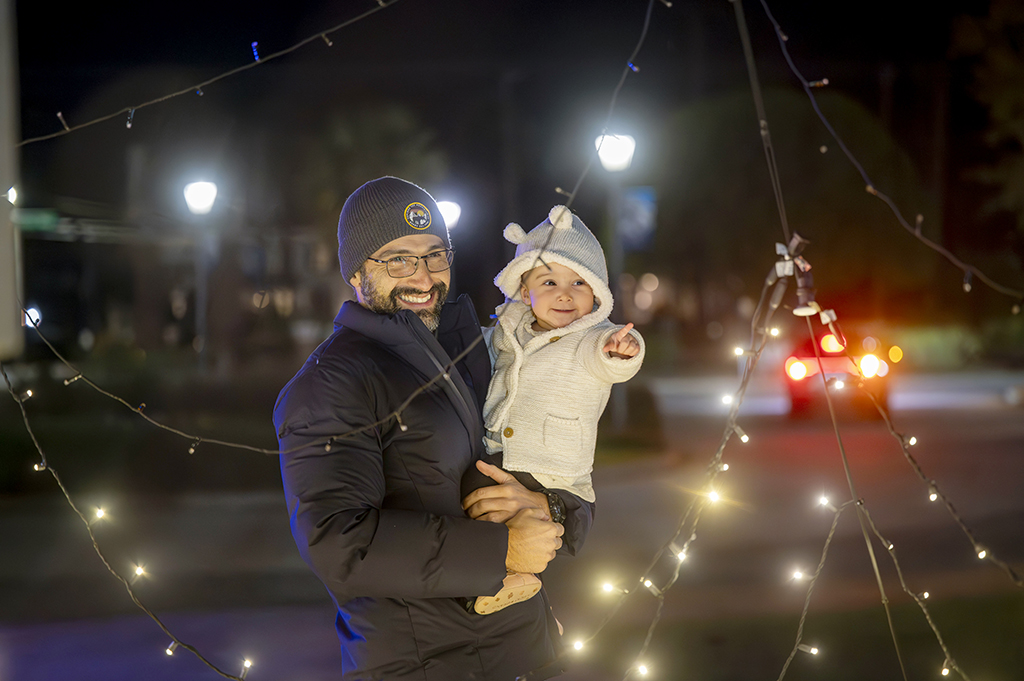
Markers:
point(547, 394)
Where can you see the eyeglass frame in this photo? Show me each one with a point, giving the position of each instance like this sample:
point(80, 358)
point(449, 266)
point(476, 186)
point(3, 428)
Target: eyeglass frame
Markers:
point(449, 258)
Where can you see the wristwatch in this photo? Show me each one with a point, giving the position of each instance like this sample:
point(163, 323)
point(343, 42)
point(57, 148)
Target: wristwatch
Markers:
point(556, 507)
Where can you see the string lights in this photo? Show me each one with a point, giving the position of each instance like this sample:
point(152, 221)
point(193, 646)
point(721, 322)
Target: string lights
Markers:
point(198, 88)
point(970, 271)
point(791, 264)
point(139, 570)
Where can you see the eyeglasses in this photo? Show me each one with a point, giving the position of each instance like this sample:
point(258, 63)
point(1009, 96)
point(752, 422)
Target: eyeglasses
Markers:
point(402, 266)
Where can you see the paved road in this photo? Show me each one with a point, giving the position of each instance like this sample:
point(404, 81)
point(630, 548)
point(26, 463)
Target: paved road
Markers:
point(226, 572)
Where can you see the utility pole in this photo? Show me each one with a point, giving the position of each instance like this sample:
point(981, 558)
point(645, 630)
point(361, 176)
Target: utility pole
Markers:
point(12, 336)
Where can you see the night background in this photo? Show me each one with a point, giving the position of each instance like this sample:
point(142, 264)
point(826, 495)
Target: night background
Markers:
point(494, 106)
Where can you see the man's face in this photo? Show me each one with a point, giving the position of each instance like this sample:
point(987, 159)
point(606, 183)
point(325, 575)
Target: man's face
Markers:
point(424, 292)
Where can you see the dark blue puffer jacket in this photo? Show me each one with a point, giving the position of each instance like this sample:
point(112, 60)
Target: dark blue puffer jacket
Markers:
point(378, 514)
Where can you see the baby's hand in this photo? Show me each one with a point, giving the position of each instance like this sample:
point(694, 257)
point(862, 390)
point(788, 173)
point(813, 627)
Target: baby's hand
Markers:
point(622, 344)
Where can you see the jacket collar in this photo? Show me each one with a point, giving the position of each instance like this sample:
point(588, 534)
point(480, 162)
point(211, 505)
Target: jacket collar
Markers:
point(406, 336)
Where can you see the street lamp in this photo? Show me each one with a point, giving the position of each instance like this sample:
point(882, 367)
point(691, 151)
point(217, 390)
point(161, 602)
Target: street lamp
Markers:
point(199, 196)
point(616, 154)
point(615, 151)
point(450, 211)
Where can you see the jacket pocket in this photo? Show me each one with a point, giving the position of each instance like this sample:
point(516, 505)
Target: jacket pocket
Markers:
point(562, 442)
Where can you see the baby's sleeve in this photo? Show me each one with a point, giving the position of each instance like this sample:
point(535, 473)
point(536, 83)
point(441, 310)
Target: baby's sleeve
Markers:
point(492, 352)
point(591, 355)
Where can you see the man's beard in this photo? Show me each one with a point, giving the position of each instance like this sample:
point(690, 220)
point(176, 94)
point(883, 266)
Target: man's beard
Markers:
point(382, 303)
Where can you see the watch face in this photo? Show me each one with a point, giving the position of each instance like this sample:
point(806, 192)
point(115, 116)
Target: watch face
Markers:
point(556, 507)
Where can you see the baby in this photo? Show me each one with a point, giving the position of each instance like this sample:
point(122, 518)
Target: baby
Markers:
point(555, 357)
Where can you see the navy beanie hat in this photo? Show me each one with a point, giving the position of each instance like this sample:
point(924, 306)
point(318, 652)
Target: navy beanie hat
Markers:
point(380, 211)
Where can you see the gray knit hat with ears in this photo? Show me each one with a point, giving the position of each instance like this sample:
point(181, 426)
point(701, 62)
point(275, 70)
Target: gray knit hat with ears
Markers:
point(562, 239)
point(380, 211)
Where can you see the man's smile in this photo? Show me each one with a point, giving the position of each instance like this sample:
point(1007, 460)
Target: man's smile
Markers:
point(415, 299)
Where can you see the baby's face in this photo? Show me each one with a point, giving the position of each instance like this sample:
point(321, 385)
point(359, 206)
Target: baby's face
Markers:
point(557, 295)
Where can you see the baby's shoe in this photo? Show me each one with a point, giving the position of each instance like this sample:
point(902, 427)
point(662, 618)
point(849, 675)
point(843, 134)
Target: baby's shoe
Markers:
point(517, 587)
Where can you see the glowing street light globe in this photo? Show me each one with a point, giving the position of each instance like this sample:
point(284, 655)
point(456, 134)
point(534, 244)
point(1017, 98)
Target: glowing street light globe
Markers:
point(615, 151)
point(450, 211)
point(200, 197)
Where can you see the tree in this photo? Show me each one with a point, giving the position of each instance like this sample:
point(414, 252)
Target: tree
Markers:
point(356, 144)
point(718, 215)
point(995, 43)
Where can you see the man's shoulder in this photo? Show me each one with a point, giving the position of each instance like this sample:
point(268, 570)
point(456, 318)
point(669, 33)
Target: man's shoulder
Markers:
point(339, 367)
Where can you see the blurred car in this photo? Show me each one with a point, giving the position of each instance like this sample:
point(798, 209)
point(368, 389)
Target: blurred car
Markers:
point(863, 358)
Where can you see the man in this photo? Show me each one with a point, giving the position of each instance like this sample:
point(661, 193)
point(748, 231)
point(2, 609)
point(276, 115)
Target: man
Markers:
point(376, 431)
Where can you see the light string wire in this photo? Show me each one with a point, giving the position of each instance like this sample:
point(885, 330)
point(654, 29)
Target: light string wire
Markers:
point(762, 117)
point(857, 498)
point(810, 589)
point(918, 598)
point(130, 110)
point(196, 440)
point(45, 465)
point(933, 486)
point(864, 519)
point(869, 185)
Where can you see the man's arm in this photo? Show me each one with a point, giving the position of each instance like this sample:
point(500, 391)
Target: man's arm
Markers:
point(356, 547)
point(500, 502)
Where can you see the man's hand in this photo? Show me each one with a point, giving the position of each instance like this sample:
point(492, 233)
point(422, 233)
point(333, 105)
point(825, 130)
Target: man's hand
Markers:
point(498, 503)
point(532, 541)
point(622, 344)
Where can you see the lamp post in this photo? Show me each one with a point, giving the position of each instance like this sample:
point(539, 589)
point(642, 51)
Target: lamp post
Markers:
point(616, 155)
point(200, 196)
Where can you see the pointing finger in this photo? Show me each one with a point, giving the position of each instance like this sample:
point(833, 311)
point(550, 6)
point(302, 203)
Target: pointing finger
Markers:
point(621, 333)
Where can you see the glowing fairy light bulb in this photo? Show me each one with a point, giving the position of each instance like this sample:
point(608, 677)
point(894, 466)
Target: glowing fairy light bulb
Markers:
point(798, 575)
point(648, 583)
point(642, 669)
point(100, 513)
point(171, 648)
point(810, 650)
point(926, 595)
point(608, 587)
point(945, 670)
point(982, 553)
point(139, 571)
point(912, 441)
point(933, 493)
point(840, 384)
point(578, 645)
point(725, 466)
point(713, 496)
point(738, 351)
point(726, 399)
point(744, 438)
point(246, 666)
point(823, 500)
point(774, 332)
point(681, 556)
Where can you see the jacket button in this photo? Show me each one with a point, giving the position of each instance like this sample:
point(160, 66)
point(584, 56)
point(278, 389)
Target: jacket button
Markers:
point(554, 338)
point(508, 432)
